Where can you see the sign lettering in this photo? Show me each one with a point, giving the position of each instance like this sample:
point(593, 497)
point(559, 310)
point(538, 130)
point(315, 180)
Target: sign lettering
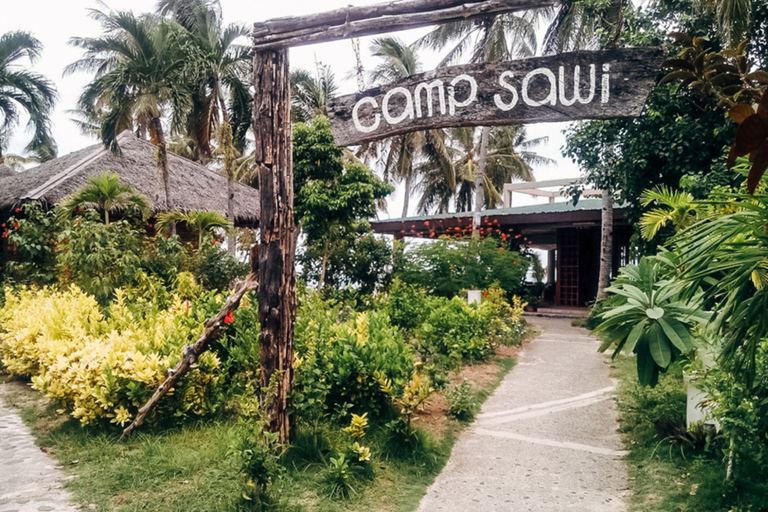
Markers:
point(565, 87)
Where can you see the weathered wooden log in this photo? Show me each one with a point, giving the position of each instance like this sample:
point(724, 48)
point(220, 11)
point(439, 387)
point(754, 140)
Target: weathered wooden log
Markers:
point(277, 249)
point(566, 87)
point(377, 19)
point(351, 13)
point(213, 330)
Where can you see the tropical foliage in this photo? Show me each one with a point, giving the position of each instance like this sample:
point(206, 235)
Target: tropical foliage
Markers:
point(25, 92)
point(653, 318)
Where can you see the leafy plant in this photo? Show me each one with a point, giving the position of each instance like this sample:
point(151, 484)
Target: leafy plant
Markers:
point(653, 317)
point(31, 235)
point(454, 329)
point(448, 267)
point(106, 194)
point(257, 453)
point(339, 478)
point(101, 368)
point(462, 402)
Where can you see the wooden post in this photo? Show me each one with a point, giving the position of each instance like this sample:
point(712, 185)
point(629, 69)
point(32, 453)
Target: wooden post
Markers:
point(277, 250)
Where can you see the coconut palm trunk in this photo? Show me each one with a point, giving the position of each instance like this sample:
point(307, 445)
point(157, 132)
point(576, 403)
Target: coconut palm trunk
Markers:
point(482, 161)
point(606, 245)
point(232, 237)
point(230, 157)
point(407, 192)
point(161, 155)
point(323, 266)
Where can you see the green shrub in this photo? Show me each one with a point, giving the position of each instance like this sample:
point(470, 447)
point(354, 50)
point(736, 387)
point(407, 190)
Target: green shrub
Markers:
point(504, 322)
point(462, 402)
point(32, 233)
point(101, 367)
point(455, 329)
point(215, 268)
point(341, 363)
point(449, 267)
point(257, 454)
point(406, 305)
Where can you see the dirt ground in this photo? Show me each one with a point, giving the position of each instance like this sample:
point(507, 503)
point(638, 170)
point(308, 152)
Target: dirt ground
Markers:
point(435, 416)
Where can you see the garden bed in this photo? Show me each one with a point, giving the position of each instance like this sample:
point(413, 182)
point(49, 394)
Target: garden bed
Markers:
point(189, 468)
point(671, 470)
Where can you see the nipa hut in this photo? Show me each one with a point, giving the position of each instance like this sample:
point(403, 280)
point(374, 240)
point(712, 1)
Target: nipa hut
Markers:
point(193, 186)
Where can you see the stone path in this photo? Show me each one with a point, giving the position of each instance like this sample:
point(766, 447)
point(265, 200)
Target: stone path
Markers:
point(29, 481)
point(546, 440)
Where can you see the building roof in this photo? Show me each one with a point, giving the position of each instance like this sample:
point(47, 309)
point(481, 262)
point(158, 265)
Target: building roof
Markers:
point(6, 171)
point(537, 222)
point(193, 186)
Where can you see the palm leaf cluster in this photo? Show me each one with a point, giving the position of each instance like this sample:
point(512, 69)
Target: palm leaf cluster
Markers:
point(180, 66)
point(727, 254)
point(25, 92)
point(652, 316)
point(107, 195)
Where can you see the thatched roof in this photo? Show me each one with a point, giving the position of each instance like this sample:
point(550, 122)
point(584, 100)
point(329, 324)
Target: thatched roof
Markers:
point(193, 186)
point(6, 171)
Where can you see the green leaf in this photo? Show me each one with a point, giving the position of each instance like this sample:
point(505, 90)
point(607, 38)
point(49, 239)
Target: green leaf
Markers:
point(654, 313)
point(647, 371)
point(634, 336)
point(658, 344)
point(677, 333)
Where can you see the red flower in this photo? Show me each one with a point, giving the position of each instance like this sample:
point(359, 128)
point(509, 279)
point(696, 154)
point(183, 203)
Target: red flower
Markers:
point(15, 225)
point(214, 241)
point(229, 318)
point(17, 210)
point(485, 294)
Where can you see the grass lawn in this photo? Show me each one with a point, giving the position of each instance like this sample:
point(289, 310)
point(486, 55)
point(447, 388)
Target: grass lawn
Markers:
point(667, 475)
point(189, 468)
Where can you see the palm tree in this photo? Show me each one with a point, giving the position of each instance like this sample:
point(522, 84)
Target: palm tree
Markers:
point(218, 72)
point(200, 222)
point(105, 193)
point(310, 94)
point(406, 156)
point(22, 90)
point(138, 80)
point(509, 156)
point(675, 207)
point(495, 38)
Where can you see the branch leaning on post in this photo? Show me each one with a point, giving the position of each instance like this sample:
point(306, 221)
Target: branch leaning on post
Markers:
point(213, 330)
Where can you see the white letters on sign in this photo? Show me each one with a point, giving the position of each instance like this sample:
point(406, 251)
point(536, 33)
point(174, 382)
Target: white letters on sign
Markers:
point(539, 88)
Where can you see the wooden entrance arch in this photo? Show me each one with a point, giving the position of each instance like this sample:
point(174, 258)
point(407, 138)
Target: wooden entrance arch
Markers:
point(273, 259)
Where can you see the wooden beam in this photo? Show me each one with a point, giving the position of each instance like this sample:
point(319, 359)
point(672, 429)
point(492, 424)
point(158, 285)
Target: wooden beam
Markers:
point(277, 245)
point(377, 19)
point(611, 83)
point(529, 185)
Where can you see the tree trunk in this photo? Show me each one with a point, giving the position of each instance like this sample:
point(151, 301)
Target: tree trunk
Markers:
point(407, 192)
point(479, 189)
point(323, 267)
point(161, 155)
point(227, 144)
point(606, 246)
point(2, 156)
point(277, 251)
point(232, 237)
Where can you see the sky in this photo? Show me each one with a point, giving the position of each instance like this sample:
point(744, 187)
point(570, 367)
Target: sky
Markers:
point(54, 22)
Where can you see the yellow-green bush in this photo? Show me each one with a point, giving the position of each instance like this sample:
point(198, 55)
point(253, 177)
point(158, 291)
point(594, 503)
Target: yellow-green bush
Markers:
point(103, 368)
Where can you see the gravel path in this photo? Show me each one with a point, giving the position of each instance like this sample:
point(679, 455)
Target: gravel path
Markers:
point(546, 440)
point(29, 480)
